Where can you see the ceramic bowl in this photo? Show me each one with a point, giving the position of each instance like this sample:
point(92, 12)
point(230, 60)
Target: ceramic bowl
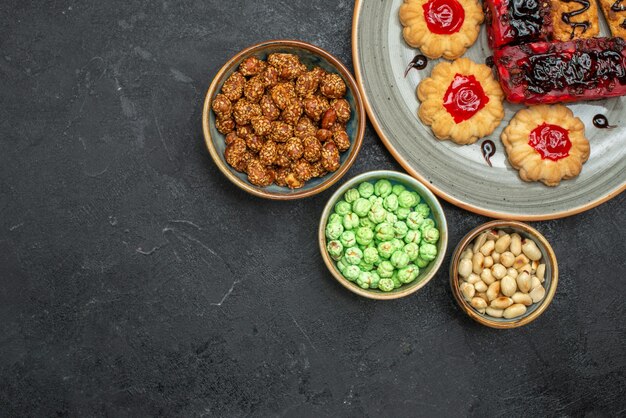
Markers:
point(311, 56)
point(427, 273)
point(551, 274)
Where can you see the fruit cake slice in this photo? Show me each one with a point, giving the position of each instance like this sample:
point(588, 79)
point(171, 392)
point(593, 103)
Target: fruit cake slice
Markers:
point(550, 72)
point(517, 21)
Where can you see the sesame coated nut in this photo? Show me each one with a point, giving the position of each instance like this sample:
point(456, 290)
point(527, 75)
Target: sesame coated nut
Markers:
point(254, 142)
point(252, 66)
point(244, 130)
point(328, 119)
point(292, 112)
point(268, 153)
point(330, 156)
point(270, 76)
point(230, 138)
point(281, 176)
point(244, 111)
point(342, 140)
point(222, 107)
point(225, 126)
point(323, 135)
point(236, 154)
point(304, 127)
point(233, 86)
point(318, 169)
point(307, 84)
point(303, 170)
point(282, 160)
point(281, 131)
point(282, 94)
point(268, 107)
point(332, 86)
point(261, 125)
point(342, 109)
point(254, 89)
point(315, 106)
point(312, 149)
point(258, 174)
point(294, 148)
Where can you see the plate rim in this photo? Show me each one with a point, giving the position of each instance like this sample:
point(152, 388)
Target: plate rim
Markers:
point(439, 192)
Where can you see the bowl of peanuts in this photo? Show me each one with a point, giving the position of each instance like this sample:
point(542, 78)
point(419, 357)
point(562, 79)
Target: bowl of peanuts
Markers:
point(283, 120)
point(504, 274)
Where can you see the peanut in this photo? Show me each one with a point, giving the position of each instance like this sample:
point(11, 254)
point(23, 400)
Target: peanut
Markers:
point(514, 310)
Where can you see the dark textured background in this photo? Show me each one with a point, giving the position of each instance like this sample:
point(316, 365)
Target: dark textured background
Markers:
point(136, 280)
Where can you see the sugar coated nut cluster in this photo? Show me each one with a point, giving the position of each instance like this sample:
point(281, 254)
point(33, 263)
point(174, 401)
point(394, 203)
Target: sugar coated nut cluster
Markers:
point(380, 235)
point(284, 123)
point(501, 274)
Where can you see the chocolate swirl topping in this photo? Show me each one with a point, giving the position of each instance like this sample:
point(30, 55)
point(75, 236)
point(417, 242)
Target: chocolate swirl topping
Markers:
point(567, 16)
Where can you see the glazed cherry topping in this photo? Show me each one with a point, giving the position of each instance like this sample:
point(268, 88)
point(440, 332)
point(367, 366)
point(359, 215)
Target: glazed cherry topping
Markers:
point(464, 97)
point(444, 17)
point(550, 141)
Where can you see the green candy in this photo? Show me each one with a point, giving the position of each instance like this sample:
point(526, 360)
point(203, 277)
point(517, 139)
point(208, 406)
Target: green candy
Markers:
point(418, 198)
point(353, 255)
point(385, 269)
point(428, 251)
point(397, 244)
point(366, 189)
point(375, 280)
point(382, 188)
point(352, 272)
point(430, 235)
point(342, 207)
point(406, 199)
point(421, 263)
point(364, 280)
point(413, 236)
point(386, 285)
point(391, 218)
point(427, 224)
point(377, 214)
point(385, 249)
point(334, 230)
point(391, 203)
point(361, 207)
point(400, 229)
point(396, 281)
point(351, 195)
point(414, 220)
point(341, 265)
point(350, 221)
point(399, 259)
point(366, 266)
point(370, 255)
point(412, 250)
point(366, 223)
point(384, 232)
point(408, 273)
point(397, 189)
point(348, 239)
point(364, 235)
point(335, 249)
point(403, 213)
point(423, 209)
point(335, 218)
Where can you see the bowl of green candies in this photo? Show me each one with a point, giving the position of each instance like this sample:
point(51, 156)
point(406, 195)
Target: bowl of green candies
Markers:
point(383, 235)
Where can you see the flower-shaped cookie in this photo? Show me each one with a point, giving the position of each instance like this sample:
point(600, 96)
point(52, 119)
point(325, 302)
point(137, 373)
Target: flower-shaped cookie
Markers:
point(546, 143)
point(461, 101)
point(441, 28)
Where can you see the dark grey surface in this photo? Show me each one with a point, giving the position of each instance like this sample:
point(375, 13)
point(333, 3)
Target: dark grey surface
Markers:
point(135, 280)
